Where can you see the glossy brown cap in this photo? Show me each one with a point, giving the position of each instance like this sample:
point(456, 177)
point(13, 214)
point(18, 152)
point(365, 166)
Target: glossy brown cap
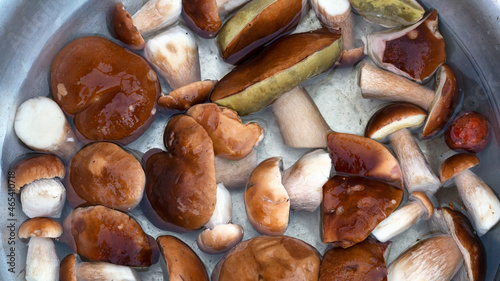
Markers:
point(468, 242)
point(468, 132)
point(354, 206)
point(125, 30)
point(40, 227)
point(392, 118)
point(182, 262)
point(455, 164)
point(231, 138)
point(103, 173)
point(445, 101)
point(220, 239)
point(37, 167)
point(67, 269)
point(424, 200)
point(363, 261)
point(180, 184)
point(360, 156)
point(184, 97)
point(102, 234)
point(202, 16)
point(269, 258)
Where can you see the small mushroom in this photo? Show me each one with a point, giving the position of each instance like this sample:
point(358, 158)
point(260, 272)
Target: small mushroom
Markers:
point(235, 174)
point(174, 52)
point(41, 125)
point(220, 238)
point(42, 262)
point(231, 138)
point(469, 131)
point(266, 201)
point(43, 198)
point(181, 261)
point(105, 174)
point(336, 15)
point(71, 270)
point(37, 167)
point(125, 30)
point(432, 259)
point(202, 16)
point(304, 180)
point(299, 120)
point(393, 121)
point(157, 14)
point(419, 206)
point(186, 96)
point(354, 206)
point(440, 103)
point(414, 52)
point(479, 200)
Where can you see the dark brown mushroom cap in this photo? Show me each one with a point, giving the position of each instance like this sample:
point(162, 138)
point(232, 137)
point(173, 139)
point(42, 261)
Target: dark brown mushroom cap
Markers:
point(182, 262)
point(468, 242)
point(125, 30)
point(67, 269)
point(102, 234)
point(354, 206)
point(269, 258)
point(392, 118)
point(231, 138)
point(103, 173)
point(426, 203)
point(40, 227)
point(363, 261)
point(37, 167)
point(184, 97)
point(455, 164)
point(445, 101)
point(110, 91)
point(180, 185)
point(360, 156)
point(202, 16)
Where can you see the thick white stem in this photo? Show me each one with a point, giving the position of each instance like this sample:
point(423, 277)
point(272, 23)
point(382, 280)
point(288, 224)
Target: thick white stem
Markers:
point(223, 208)
point(398, 222)
point(102, 271)
point(42, 263)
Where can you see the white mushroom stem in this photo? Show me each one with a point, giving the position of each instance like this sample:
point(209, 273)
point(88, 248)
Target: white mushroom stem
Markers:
point(305, 179)
point(399, 221)
point(223, 208)
point(417, 173)
point(175, 55)
point(42, 263)
point(379, 84)
point(436, 258)
point(102, 271)
point(234, 174)
point(335, 15)
point(41, 124)
point(299, 120)
point(43, 198)
point(157, 14)
point(226, 6)
point(220, 239)
point(479, 200)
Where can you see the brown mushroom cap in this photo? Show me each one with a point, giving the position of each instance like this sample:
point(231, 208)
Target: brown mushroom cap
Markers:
point(354, 206)
point(182, 262)
point(181, 185)
point(202, 16)
point(37, 167)
point(360, 156)
point(102, 234)
point(392, 118)
point(363, 261)
point(266, 201)
point(110, 91)
point(468, 242)
point(184, 97)
point(425, 202)
point(40, 227)
point(445, 100)
point(125, 29)
point(105, 174)
point(220, 239)
point(231, 138)
point(67, 269)
point(455, 164)
point(269, 258)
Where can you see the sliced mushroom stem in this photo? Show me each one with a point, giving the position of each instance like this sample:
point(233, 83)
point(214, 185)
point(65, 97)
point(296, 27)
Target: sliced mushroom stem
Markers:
point(299, 120)
point(479, 200)
point(335, 15)
point(417, 174)
point(42, 262)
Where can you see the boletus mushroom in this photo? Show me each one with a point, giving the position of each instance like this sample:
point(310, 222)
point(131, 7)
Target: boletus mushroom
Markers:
point(73, 270)
point(269, 258)
point(202, 16)
point(469, 131)
point(390, 13)
point(108, 90)
point(186, 96)
point(125, 30)
point(336, 15)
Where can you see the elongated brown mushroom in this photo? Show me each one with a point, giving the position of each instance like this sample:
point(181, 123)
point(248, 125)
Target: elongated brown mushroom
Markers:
point(125, 30)
point(186, 96)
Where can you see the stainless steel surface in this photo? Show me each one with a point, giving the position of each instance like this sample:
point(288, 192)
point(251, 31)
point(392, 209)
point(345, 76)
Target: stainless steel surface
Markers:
point(33, 31)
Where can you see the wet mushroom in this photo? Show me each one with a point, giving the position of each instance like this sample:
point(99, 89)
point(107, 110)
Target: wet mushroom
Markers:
point(223, 208)
point(42, 166)
point(336, 15)
point(389, 13)
point(125, 30)
point(157, 14)
point(186, 96)
point(393, 121)
point(480, 201)
point(304, 180)
point(418, 206)
point(469, 131)
point(72, 270)
point(439, 103)
point(202, 16)
point(40, 227)
point(174, 53)
point(220, 238)
point(41, 125)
